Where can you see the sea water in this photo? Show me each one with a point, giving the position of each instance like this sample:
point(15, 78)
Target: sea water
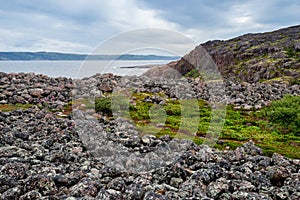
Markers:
point(78, 69)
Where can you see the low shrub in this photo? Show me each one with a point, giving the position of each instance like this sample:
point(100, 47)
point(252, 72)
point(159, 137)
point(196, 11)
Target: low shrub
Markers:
point(103, 105)
point(285, 113)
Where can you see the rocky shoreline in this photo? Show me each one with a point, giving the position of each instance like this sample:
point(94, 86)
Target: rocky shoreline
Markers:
point(43, 156)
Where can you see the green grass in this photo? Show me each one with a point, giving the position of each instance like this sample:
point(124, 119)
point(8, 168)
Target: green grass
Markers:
point(239, 126)
point(273, 133)
point(176, 116)
point(13, 107)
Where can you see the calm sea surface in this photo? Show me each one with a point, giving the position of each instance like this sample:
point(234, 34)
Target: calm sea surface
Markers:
point(78, 69)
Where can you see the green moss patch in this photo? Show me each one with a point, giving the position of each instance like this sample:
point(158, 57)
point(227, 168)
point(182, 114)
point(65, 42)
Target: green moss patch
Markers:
point(13, 107)
point(240, 126)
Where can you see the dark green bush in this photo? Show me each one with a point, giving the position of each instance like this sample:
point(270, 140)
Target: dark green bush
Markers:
point(103, 105)
point(286, 113)
point(292, 53)
point(194, 73)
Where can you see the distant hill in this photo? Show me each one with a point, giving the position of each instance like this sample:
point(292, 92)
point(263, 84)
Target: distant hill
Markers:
point(270, 56)
point(68, 56)
point(257, 57)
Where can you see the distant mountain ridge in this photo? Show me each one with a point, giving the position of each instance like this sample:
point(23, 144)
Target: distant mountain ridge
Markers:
point(7, 56)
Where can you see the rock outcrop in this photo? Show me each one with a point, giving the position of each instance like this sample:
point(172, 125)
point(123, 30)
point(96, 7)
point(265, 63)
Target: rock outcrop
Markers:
point(252, 57)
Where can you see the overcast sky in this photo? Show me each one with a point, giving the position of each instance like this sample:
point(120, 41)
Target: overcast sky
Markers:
point(80, 25)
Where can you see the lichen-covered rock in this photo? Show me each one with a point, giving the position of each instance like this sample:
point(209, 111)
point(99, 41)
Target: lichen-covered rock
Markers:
point(42, 183)
point(31, 195)
point(86, 187)
point(12, 193)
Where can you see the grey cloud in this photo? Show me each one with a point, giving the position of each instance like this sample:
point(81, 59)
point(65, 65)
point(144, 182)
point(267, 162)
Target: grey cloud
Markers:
point(83, 24)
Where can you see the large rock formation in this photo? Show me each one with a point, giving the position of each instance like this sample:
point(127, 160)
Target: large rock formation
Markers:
point(252, 57)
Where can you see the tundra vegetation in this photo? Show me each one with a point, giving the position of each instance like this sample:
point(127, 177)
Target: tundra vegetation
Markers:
point(274, 128)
